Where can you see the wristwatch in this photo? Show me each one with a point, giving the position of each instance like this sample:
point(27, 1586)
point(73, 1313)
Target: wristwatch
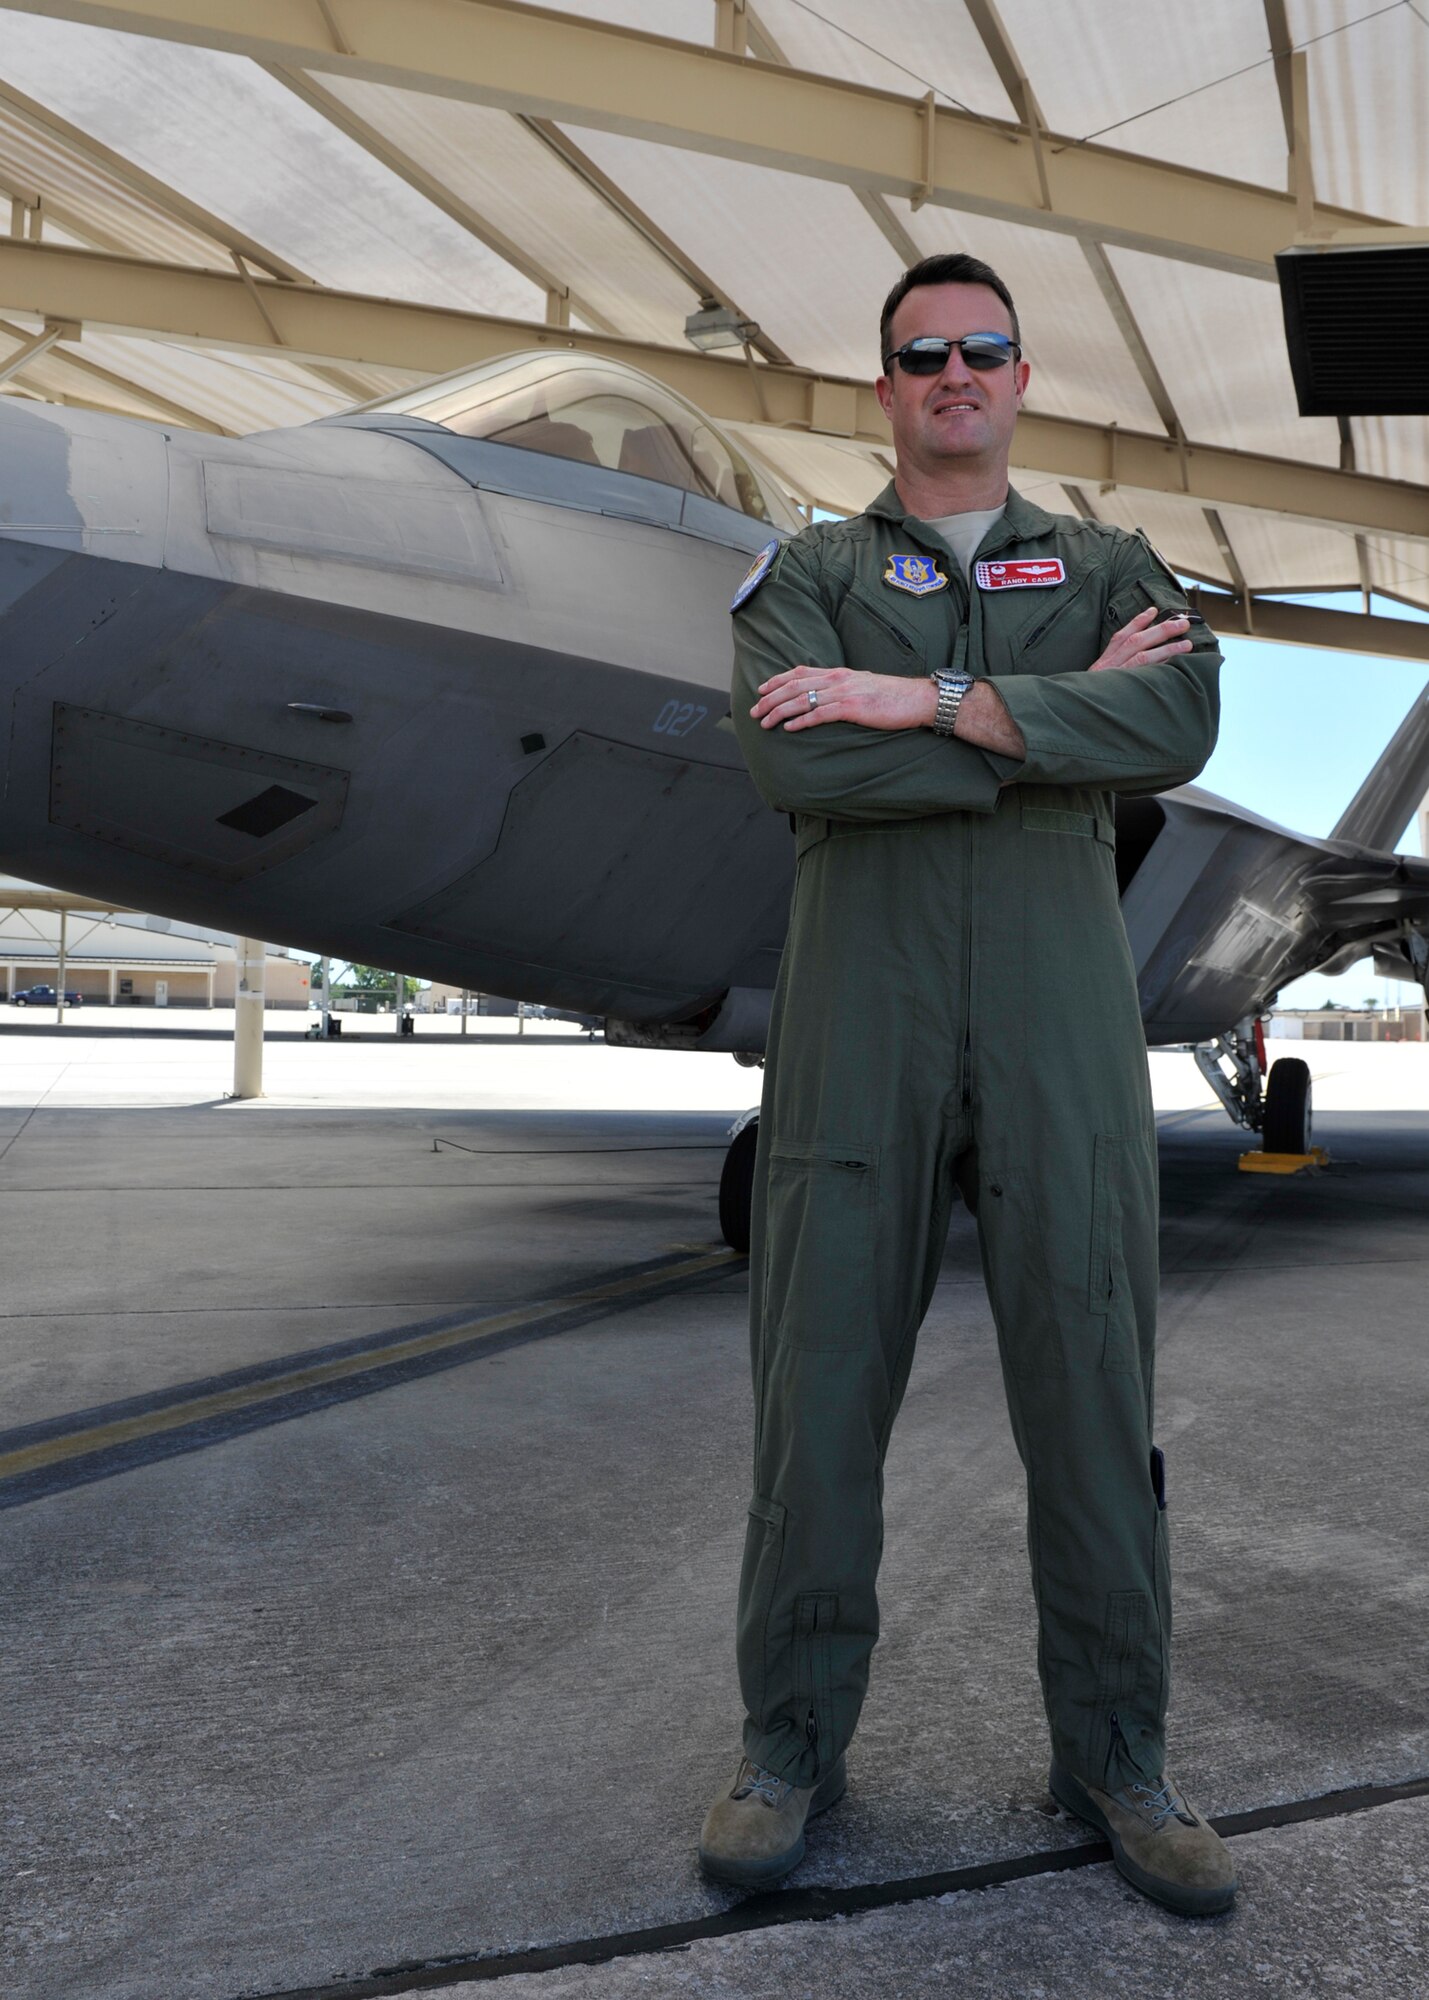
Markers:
point(951, 690)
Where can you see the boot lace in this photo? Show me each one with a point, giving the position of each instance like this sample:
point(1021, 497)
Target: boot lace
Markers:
point(1161, 1804)
point(763, 1784)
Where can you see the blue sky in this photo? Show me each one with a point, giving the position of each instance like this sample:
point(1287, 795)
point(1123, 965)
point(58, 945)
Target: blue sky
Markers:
point(1299, 731)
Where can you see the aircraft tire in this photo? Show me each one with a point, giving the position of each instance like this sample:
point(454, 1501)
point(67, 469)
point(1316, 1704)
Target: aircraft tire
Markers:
point(736, 1188)
point(1287, 1124)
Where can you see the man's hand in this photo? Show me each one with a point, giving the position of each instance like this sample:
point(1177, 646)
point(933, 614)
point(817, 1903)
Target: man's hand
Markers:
point(903, 701)
point(1142, 643)
point(874, 701)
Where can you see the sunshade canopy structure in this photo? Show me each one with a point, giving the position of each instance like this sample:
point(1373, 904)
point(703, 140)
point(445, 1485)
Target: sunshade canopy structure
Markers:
point(245, 214)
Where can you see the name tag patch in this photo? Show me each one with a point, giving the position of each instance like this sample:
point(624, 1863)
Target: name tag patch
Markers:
point(1030, 575)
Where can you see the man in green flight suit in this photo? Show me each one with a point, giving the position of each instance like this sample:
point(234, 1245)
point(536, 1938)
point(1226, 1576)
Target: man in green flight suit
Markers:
point(945, 693)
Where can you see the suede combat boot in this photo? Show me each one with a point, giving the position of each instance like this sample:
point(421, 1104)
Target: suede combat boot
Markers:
point(1159, 1842)
point(754, 1832)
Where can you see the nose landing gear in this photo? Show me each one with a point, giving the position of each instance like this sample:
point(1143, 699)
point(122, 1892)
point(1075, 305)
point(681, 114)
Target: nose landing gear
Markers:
point(1279, 1109)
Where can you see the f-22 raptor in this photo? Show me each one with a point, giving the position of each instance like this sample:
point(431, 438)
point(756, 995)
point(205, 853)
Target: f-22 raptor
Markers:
point(442, 684)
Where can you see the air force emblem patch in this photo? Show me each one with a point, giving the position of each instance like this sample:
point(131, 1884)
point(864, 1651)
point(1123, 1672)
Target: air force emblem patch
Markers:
point(756, 574)
point(918, 575)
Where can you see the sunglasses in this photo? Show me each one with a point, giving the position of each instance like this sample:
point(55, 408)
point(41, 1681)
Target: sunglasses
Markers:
point(929, 354)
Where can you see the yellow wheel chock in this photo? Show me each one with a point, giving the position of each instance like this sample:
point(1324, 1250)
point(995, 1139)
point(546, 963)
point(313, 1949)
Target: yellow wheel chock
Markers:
point(1285, 1163)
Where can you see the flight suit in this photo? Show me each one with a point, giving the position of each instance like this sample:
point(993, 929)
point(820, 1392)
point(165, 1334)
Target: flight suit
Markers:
point(956, 1011)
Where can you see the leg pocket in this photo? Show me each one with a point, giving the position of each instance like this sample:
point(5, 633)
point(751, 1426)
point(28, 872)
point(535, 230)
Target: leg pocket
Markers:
point(820, 1289)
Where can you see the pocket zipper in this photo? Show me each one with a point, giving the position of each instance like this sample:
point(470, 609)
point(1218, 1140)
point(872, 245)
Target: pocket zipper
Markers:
point(1034, 638)
point(878, 618)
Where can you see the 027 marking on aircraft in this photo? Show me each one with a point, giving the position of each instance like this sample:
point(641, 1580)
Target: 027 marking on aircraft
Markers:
point(678, 718)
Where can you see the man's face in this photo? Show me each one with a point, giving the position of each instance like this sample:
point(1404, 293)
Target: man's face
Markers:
point(963, 413)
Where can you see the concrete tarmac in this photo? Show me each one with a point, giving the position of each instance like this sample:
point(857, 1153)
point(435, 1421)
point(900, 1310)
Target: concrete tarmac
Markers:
point(308, 1674)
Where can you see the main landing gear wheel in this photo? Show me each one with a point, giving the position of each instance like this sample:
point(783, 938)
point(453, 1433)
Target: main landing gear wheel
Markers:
point(736, 1188)
point(1287, 1107)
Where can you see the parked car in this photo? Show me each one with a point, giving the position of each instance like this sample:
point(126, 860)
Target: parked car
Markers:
point(45, 996)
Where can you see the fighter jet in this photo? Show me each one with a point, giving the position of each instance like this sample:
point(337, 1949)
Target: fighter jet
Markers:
point(442, 684)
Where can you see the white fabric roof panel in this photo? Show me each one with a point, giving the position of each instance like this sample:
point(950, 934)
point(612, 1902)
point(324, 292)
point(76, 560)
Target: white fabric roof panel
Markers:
point(832, 475)
point(231, 137)
point(207, 384)
point(1177, 530)
point(906, 46)
point(1283, 555)
point(752, 230)
point(1165, 77)
point(1400, 568)
point(1218, 341)
point(109, 215)
point(505, 173)
point(1369, 85)
point(1081, 366)
point(1393, 447)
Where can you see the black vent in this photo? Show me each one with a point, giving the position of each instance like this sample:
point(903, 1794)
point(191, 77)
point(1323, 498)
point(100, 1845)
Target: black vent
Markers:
point(1355, 325)
point(266, 811)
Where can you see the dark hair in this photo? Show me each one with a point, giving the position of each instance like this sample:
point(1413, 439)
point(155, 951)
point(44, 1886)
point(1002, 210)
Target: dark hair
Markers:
point(954, 268)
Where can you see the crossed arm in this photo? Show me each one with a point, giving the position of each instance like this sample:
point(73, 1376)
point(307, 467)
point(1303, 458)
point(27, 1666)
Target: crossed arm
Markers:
point(896, 701)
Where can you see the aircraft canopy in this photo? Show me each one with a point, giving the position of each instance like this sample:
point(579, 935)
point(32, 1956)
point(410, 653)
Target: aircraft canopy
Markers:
point(597, 412)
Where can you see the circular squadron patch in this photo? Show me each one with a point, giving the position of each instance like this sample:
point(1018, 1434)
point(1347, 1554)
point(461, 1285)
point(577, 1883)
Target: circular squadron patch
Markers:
point(919, 575)
point(755, 574)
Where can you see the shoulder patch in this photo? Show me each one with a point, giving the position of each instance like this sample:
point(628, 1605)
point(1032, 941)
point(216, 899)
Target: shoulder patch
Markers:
point(756, 573)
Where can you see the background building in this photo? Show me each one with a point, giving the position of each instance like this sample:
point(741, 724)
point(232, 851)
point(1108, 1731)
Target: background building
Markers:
point(123, 958)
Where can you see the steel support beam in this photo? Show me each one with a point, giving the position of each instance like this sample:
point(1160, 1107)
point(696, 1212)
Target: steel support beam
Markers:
point(126, 295)
point(1289, 624)
point(588, 73)
point(32, 346)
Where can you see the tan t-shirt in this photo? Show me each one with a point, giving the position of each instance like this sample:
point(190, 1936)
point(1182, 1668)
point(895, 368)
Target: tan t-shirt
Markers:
point(964, 532)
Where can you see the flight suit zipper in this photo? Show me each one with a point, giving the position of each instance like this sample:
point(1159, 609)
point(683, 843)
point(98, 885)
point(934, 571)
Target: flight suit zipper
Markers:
point(814, 1616)
point(962, 646)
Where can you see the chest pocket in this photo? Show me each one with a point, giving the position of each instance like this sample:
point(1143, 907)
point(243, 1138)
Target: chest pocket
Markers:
point(874, 640)
point(1058, 633)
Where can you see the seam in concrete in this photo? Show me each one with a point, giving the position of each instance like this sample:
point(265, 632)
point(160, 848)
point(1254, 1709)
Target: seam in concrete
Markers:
point(815, 1904)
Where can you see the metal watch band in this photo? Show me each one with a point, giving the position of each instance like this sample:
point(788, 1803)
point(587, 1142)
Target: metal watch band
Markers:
point(951, 690)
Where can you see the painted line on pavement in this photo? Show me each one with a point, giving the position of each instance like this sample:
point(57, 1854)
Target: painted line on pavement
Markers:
point(62, 1452)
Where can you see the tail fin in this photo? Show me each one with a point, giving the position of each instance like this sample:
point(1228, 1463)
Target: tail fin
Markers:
point(1384, 804)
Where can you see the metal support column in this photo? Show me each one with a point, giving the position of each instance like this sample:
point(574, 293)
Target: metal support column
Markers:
point(60, 988)
point(251, 968)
